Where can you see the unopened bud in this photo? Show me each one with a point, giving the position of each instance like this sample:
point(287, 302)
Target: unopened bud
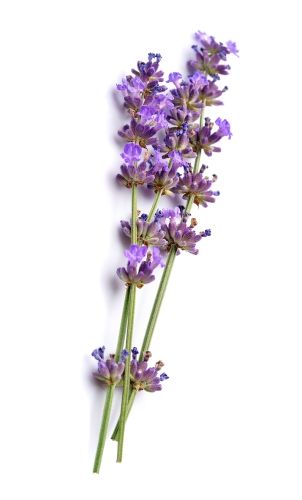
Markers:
point(159, 365)
point(147, 355)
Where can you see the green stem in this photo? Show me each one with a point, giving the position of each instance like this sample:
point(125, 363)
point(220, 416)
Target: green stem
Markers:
point(134, 215)
point(111, 388)
point(123, 326)
point(103, 429)
point(154, 205)
point(115, 433)
point(126, 386)
point(149, 330)
point(158, 301)
point(195, 168)
point(131, 309)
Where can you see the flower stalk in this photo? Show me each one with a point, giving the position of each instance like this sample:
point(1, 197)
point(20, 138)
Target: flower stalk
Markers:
point(123, 325)
point(158, 301)
point(104, 428)
point(154, 205)
point(126, 385)
point(134, 215)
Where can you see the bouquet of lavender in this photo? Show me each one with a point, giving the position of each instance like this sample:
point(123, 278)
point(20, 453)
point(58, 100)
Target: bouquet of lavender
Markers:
point(167, 133)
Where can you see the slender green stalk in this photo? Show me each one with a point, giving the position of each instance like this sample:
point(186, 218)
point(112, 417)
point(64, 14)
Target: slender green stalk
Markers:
point(196, 168)
point(115, 433)
point(123, 326)
point(134, 215)
point(111, 388)
point(154, 205)
point(131, 309)
point(128, 301)
point(104, 428)
point(126, 386)
point(158, 301)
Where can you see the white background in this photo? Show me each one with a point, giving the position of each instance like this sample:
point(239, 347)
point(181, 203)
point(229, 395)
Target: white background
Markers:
point(228, 423)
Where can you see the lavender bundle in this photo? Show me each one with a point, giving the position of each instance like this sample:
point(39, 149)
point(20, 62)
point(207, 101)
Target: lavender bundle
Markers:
point(167, 133)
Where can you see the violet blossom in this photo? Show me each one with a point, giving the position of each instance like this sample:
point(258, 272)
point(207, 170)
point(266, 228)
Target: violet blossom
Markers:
point(198, 186)
point(210, 55)
point(147, 260)
point(137, 132)
point(165, 178)
point(132, 172)
point(109, 371)
point(204, 138)
point(177, 142)
point(148, 233)
point(181, 235)
point(144, 378)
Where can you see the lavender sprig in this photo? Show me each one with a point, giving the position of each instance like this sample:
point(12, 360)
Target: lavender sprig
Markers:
point(167, 129)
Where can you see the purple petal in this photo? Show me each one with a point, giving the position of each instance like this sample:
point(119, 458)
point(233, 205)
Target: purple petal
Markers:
point(135, 254)
point(132, 152)
point(103, 370)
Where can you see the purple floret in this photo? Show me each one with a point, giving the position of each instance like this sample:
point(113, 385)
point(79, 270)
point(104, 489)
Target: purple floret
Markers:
point(165, 176)
point(179, 143)
point(182, 236)
point(210, 55)
point(109, 371)
point(205, 139)
point(144, 378)
point(137, 132)
point(142, 274)
point(132, 153)
point(178, 233)
point(198, 186)
point(148, 233)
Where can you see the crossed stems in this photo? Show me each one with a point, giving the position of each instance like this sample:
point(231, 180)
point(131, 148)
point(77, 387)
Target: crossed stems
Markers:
point(127, 323)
